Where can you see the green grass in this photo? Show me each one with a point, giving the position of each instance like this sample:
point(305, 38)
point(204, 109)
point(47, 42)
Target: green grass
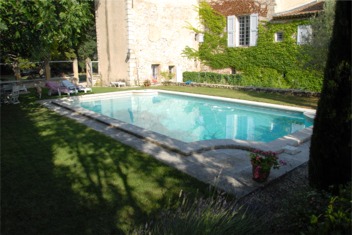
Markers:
point(61, 177)
point(304, 102)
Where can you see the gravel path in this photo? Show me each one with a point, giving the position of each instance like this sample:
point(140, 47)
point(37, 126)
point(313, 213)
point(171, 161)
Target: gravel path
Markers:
point(268, 200)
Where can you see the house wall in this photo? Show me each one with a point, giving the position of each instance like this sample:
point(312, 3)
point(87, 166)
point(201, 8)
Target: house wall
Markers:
point(152, 31)
point(160, 36)
point(285, 5)
point(112, 43)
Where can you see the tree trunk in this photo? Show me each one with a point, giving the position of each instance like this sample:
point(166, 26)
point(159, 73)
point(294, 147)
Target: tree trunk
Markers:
point(47, 69)
point(330, 151)
point(16, 70)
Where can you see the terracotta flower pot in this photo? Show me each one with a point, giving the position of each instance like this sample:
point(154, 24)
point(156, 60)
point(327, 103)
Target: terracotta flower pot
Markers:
point(260, 174)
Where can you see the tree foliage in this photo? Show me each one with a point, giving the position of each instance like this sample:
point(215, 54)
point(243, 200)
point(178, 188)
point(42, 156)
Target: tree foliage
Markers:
point(40, 29)
point(330, 152)
point(316, 51)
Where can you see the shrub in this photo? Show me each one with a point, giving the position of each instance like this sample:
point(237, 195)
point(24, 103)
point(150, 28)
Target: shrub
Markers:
point(261, 77)
point(210, 77)
point(336, 218)
point(214, 215)
point(316, 212)
point(147, 82)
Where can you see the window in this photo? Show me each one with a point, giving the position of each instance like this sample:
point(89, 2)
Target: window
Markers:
point(171, 71)
point(242, 30)
point(304, 34)
point(279, 36)
point(155, 71)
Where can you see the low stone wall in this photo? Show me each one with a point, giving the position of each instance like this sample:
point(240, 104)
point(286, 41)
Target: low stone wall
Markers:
point(294, 92)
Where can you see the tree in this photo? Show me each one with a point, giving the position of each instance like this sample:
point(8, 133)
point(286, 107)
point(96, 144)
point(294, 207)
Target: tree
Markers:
point(330, 151)
point(40, 29)
point(317, 49)
point(88, 48)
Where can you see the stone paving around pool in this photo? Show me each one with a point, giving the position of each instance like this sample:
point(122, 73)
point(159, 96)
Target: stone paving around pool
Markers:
point(226, 169)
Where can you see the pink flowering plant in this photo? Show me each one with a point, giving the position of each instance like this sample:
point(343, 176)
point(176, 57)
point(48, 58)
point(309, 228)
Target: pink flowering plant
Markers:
point(266, 159)
point(262, 162)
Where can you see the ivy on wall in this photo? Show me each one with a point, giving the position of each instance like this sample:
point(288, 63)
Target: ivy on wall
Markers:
point(269, 64)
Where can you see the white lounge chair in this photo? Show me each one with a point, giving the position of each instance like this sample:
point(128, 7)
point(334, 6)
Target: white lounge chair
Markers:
point(78, 88)
point(118, 84)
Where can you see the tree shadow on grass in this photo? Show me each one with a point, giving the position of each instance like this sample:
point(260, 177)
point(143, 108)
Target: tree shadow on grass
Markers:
point(60, 177)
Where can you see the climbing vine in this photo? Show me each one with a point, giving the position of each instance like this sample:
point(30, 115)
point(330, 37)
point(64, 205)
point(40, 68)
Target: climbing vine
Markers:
point(268, 64)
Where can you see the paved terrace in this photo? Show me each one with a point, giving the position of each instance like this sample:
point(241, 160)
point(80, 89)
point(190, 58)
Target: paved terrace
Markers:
point(227, 168)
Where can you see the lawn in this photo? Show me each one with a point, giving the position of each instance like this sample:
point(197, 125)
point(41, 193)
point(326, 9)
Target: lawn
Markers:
point(61, 177)
point(274, 98)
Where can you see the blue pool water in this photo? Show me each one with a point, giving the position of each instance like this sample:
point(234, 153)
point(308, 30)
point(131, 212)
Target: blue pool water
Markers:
point(191, 119)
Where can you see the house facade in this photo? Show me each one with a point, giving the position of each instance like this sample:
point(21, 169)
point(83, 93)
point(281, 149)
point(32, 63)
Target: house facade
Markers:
point(142, 40)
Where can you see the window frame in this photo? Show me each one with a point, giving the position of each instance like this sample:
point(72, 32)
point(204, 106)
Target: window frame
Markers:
point(276, 36)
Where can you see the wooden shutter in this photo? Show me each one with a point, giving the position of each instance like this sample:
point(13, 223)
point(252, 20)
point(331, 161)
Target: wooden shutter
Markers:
point(231, 40)
point(253, 30)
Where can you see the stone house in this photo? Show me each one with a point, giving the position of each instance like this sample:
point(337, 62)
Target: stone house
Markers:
point(243, 17)
point(144, 39)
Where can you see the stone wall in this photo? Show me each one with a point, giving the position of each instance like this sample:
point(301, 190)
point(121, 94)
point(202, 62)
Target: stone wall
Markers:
point(112, 39)
point(284, 5)
point(133, 35)
point(161, 34)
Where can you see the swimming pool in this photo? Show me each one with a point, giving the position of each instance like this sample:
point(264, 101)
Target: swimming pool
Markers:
point(191, 118)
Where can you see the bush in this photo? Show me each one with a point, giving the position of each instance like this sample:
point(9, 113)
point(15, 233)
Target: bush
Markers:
point(147, 83)
point(213, 78)
point(336, 218)
point(261, 77)
point(317, 212)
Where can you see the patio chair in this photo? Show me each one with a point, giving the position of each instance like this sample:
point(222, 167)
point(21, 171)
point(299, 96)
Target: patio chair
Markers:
point(11, 97)
point(78, 88)
point(69, 85)
point(55, 88)
point(118, 84)
point(15, 94)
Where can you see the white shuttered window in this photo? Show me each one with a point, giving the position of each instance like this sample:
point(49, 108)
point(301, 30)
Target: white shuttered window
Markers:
point(304, 34)
point(242, 30)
